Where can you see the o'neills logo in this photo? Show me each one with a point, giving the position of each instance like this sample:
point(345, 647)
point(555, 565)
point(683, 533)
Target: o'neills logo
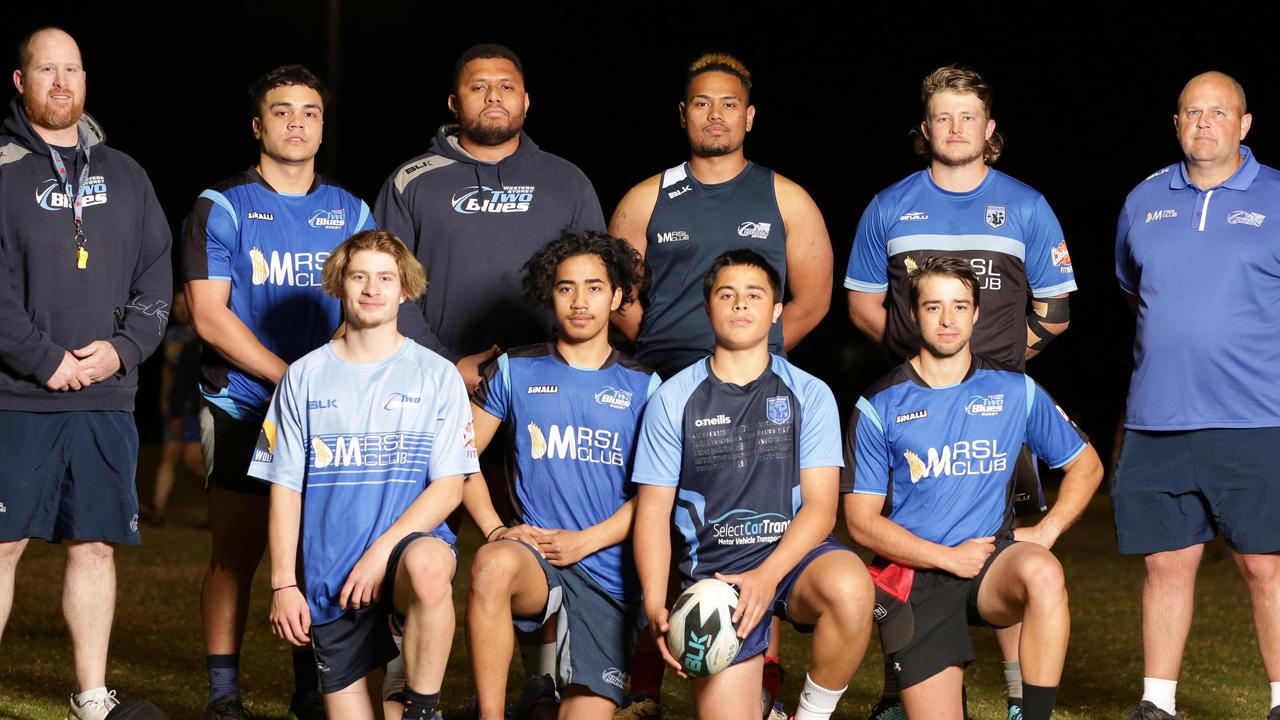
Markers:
point(720, 419)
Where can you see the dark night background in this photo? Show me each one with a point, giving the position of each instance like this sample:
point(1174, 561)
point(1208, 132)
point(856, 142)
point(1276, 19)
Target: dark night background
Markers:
point(1084, 101)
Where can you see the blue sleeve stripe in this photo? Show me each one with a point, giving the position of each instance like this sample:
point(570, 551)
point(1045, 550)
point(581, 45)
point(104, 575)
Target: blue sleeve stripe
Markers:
point(1072, 456)
point(655, 381)
point(866, 287)
point(1059, 289)
point(221, 201)
point(870, 413)
point(504, 367)
point(993, 243)
point(1031, 394)
point(219, 277)
point(364, 216)
point(856, 491)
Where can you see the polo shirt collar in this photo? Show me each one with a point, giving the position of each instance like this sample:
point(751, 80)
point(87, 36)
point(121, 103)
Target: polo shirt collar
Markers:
point(1241, 179)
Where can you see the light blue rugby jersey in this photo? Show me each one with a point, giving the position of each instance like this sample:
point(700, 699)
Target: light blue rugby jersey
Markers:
point(272, 247)
point(361, 441)
point(945, 457)
point(1003, 228)
point(574, 431)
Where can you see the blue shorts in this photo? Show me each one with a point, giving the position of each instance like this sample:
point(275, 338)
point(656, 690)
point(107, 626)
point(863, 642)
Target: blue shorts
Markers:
point(348, 648)
point(758, 641)
point(595, 632)
point(1173, 490)
point(69, 476)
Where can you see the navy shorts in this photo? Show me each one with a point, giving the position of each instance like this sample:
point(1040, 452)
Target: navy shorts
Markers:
point(69, 476)
point(595, 632)
point(227, 445)
point(1173, 490)
point(758, 641)
point(351, 646)
point(943, 608)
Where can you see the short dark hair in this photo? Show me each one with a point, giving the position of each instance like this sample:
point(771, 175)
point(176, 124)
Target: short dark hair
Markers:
point(952, 267)
point(718, 62)
point(484, 51)
point(282, 76)
point(742, 256)
point(621, 263)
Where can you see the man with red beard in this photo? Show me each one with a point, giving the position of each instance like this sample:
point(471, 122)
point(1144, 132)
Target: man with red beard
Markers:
point(84, 255)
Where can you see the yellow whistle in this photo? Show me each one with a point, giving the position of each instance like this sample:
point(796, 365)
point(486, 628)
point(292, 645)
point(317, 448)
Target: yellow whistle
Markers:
point(82, 259)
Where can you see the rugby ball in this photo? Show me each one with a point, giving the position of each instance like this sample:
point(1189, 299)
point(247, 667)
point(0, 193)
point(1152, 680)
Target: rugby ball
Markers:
point(701, 635)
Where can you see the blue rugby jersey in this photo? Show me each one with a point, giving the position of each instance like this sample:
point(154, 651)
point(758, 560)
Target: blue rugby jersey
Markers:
point(693, 223)
point(361, 442)
point(272, 247)
point(1204, 265)
point(1004, 229)
point(735, 453)
point(945, 457)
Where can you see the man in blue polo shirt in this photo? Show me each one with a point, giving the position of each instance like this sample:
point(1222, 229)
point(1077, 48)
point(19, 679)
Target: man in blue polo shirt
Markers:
point(1200, 260)
point(929, 465)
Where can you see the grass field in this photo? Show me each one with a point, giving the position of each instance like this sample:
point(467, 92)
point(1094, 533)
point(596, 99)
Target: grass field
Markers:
point(157, 652)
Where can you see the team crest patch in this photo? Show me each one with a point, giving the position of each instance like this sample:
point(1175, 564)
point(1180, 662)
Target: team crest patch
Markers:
point(995, 216)
point(778, 409)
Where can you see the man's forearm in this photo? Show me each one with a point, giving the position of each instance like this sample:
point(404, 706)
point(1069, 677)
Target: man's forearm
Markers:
point(808, 528)
point(284, 525)
point(223, 331)
point(479, 504)
point(799, 318)
point(1079, 484)
point(427, 511)
point(615, 528)
point(890, 540)
point(652, 544)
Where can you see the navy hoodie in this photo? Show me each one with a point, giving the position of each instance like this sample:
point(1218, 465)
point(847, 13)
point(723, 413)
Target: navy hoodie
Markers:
point(473, 225)
point(47, 305)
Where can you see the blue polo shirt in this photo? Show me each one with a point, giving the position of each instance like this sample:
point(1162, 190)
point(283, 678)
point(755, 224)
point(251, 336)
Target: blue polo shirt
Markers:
point(1205, 265)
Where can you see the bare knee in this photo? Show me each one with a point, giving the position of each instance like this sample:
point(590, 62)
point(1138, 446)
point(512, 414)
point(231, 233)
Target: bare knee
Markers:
point(1045, 581)
point(90, 552)
point(430, 577)
point(1174, 565)
point(493, 569)
point(850, 594)
point(1259, 571)
point(10, 552)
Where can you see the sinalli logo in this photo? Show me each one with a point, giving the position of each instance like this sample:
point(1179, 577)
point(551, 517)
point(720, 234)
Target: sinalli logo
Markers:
point(908, 217)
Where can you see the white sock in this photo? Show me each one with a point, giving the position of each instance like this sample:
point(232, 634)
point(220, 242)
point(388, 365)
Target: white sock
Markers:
point(817, 702)
point(395, 679)
point(1161, 693)
point(1013, 679)
point(1275, 694)
point(91, 694)
point(539, 659)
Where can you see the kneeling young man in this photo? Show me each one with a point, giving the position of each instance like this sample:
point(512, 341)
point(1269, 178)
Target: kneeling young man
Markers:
point(377, 432)
point(937, 439)
point(741, 436)
point(573, 405)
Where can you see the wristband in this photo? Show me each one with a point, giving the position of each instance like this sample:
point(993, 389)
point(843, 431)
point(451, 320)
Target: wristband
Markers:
point(283, 587)
point(491, 532)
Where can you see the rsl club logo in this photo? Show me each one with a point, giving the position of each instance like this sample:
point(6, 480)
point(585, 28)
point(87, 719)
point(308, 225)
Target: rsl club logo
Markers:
point(476, 199)
point(995, 216)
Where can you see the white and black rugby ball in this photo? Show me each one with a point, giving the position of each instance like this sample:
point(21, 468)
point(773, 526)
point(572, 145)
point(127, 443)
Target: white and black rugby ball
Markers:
point(701, 635)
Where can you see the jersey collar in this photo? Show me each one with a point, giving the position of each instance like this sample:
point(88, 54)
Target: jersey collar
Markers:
point(608, 362)
point(914, 376)
point(1241, 179)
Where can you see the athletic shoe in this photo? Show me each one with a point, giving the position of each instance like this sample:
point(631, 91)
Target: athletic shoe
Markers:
point(308, 706)
point(777, 713)
point(538, 696)
point(1147, 710)
point(94, 708)
point(1274, 714)
point(889, 708)
point(227, 707)
point(1015, 712)
point(638, 706)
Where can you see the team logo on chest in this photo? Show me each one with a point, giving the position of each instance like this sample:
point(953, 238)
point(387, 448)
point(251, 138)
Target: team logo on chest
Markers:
point(778, 409)
point(475, 199)
point(995, 216)
point(328, 219)
point(614, 397)
point(758, 230)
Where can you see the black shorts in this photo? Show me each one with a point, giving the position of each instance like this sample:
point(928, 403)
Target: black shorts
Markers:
point(350, 647)
point(943, 606)
point(69, 476)
point(227, 445)
point(1028, 493)
point(1177, 489)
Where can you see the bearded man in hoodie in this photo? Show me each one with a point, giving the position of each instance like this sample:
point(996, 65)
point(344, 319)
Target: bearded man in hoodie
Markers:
point(85, 286)
point(474, 208)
